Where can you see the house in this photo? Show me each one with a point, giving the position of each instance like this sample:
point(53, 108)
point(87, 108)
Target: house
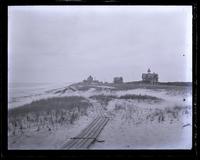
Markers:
point(89, 80)
point(150, 77)
point(118, 80)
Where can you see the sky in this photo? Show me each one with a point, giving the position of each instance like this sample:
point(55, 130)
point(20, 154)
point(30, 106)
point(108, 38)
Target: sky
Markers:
point(69, 43)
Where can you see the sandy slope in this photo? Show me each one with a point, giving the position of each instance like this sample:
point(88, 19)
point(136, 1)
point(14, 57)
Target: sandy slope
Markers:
point(119, 135)
point(45, 139)
point(129, 127)
point(123, 132)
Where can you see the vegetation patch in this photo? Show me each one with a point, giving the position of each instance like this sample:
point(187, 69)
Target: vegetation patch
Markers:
point(168, 113)
point(103, 99)
point(165, 86)
point(46, 113)
point(136, 115)
point(140, 97)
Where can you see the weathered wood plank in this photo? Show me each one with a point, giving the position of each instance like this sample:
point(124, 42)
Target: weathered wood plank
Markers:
point(72, 141)
point(88, 135)
point(94, 135)
point(81, 139)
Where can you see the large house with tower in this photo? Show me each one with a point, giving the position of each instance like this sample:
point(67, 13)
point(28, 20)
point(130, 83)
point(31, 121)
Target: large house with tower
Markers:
point(150, 77)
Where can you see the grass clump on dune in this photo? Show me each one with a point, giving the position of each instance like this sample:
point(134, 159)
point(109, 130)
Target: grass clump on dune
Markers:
point(140, 97)
point(46, 113)
point(103, 99)
point(133, 113)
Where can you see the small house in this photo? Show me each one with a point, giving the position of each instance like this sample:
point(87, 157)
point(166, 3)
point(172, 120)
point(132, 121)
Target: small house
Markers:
point(118, 80)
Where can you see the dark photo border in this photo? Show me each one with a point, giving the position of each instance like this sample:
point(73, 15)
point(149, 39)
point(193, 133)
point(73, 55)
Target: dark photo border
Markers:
point(92, 154)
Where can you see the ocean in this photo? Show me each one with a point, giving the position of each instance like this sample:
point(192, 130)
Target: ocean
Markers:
point(22, 93)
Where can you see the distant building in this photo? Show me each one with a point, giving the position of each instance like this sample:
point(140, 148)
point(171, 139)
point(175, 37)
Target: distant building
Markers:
point(118, 80)
point(150, 77)
point(90, 79)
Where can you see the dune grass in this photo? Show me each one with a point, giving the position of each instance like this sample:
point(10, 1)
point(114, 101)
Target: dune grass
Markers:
point(46, 113)
point(140, 97)
point(104, 99)
point(165, 86)
point(137, 115)
point(55, 103)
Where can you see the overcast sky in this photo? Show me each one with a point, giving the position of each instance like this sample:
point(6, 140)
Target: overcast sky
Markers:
point(69, 43)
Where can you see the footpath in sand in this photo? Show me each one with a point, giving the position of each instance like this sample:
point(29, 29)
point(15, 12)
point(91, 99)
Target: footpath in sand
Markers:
point(89, 135)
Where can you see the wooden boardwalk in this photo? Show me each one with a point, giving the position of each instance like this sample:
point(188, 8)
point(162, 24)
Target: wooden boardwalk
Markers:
point(88, 135)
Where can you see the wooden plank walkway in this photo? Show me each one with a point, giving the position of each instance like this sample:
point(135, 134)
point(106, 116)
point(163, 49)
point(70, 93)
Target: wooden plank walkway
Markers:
point(88, 135)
